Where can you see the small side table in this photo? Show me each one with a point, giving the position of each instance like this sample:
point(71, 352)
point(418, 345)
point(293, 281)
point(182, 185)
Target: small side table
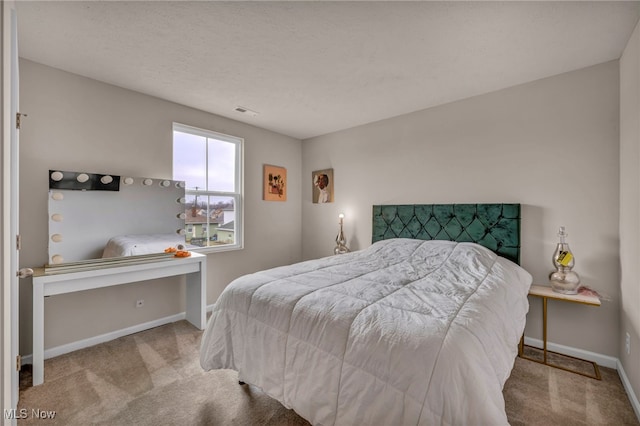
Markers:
point(546, 293)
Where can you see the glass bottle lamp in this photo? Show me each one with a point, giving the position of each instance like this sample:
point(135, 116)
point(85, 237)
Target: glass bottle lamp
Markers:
point(341, 241)
point(563, 279)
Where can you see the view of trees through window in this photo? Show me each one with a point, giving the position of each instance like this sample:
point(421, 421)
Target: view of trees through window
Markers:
point(209, 163)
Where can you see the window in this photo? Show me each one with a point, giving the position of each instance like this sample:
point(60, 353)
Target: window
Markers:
point(210, 163)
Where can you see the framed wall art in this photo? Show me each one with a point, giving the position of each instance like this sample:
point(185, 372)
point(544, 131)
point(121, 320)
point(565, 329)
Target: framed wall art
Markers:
point(322, 181)
point(274, 183)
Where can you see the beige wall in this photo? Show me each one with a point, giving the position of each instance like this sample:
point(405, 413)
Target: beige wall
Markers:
point(551, 145)
point(75, 123)
point(630, 208)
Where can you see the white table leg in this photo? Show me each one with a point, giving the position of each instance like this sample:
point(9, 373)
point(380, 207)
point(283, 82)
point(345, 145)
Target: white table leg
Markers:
point(196, 296)
point(38, 333)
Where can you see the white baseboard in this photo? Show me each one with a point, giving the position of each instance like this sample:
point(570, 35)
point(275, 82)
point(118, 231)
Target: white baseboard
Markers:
point(627, 387)
point(85, 343)
point(603, 360)
point(91, 341)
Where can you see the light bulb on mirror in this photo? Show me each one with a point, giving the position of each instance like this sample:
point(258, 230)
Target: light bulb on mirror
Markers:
point(57, 176)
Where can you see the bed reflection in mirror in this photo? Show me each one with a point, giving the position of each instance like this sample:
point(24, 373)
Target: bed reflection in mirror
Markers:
point(96, 216)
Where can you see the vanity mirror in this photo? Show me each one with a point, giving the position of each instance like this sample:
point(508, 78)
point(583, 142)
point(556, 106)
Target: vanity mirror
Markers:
point(93, 217)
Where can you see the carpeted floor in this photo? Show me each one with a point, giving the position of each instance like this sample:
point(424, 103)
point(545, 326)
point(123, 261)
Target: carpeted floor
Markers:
point(154, 378)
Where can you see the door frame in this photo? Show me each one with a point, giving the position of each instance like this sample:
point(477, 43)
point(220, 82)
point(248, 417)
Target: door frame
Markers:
point(8, 215)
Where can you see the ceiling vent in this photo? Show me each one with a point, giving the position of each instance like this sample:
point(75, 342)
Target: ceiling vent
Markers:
point(246, 111)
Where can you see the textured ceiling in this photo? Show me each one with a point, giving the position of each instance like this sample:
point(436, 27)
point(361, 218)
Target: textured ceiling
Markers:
point(311, 68)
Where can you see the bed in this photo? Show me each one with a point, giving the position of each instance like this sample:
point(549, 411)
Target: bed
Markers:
point(138, 244)
point(420, 328)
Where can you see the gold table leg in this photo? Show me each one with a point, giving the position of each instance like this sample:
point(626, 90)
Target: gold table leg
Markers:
point(545, 361)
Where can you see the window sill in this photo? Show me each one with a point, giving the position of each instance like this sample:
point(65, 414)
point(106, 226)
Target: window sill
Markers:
point(209, 250)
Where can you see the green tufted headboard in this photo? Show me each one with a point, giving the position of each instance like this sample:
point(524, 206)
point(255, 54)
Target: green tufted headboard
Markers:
point(495, 226)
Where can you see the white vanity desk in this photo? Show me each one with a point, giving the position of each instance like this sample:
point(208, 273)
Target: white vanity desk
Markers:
point(193, 267)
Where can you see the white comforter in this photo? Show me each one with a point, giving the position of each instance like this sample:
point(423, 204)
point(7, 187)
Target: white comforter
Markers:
point(133, 245)
point(403, 332)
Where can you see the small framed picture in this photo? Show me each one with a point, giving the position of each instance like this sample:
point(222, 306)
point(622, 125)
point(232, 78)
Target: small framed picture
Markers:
point(274, 183)
point(322, 181)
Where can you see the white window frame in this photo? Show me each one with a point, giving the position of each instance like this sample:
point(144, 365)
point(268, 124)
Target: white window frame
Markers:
point(238, 195)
